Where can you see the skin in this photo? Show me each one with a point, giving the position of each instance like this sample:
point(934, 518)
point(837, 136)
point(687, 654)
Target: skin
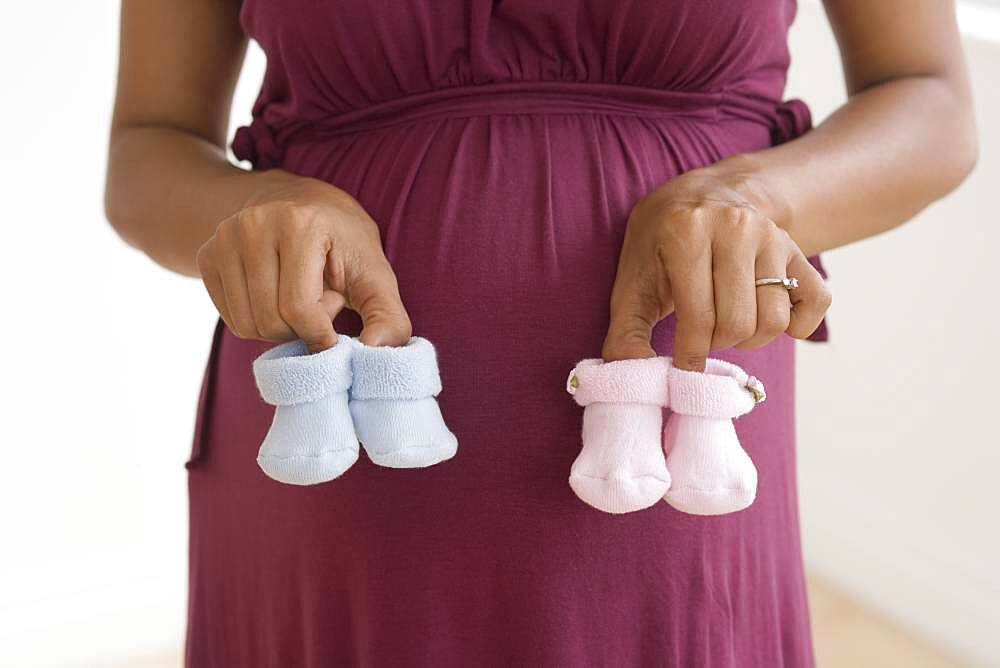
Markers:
point(280, 254)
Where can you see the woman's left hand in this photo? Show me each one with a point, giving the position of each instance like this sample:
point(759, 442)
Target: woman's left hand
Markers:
point(695, 246)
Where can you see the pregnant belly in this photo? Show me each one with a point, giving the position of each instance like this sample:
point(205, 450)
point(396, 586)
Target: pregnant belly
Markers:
point(505, 229)
point(504, 232)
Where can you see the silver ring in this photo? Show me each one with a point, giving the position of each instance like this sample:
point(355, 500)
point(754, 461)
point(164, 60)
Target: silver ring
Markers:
point(786, 283)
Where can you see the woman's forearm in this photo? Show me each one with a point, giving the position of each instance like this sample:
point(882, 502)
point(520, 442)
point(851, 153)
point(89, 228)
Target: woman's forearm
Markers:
point(905, 137)
point(886, 154)
point(168, 189)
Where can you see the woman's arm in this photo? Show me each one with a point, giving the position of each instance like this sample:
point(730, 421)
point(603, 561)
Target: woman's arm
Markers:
point(905, 137)
point(169, 183)
point(695, 245)
point(172, 193)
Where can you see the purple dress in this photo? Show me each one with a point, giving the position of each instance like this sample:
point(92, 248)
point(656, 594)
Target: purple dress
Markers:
point(500, 145)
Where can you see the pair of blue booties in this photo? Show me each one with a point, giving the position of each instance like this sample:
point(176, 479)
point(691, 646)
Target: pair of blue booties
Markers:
point(325, 403)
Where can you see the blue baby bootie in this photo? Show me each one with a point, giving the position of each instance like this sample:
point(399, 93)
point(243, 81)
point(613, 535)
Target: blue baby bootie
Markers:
point(396, 415)
point(311, 439)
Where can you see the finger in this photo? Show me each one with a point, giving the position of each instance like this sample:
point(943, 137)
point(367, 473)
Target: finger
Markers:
point(332, 302)
point(692, 288)
point(301, 291)
point(636, 307)
point(634, 313)
point(213, 285)
point(213, 282)
point(733, 263)
point(375, 296)
point(262, 267)
point(810, 301)
point(234, 285)
point(773, 304)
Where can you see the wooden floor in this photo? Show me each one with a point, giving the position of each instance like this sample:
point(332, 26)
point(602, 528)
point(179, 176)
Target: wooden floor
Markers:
point(847, 635)
point(850, 635)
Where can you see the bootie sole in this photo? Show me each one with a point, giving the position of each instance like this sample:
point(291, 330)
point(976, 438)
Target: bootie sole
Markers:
point(709, 502)
point(308, 469)
point(619, 494)
point(441, 449)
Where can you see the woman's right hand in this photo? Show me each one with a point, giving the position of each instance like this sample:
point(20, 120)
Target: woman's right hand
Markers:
point(285, 264)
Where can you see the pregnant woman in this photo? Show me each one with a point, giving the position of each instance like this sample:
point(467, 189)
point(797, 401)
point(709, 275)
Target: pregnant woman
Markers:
point(525, 183)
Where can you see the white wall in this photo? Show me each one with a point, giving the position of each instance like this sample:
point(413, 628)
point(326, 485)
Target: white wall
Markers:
point(899, 455)
point(105, 353)
point(104, 359)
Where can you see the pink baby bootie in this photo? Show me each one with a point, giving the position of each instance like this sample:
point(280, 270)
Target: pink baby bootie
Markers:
point(712, 474)
point(621, 467)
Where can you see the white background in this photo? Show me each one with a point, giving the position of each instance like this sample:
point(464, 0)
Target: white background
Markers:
point(104, 354)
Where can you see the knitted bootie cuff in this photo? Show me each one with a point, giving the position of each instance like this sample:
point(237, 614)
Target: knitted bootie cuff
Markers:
point(409, 371)
point(287, 374)
point(723, 391)
point(641, 381)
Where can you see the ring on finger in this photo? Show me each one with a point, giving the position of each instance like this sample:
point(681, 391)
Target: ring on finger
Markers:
point(786, 283)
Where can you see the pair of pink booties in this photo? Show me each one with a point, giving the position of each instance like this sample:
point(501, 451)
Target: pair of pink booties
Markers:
point(699, 466)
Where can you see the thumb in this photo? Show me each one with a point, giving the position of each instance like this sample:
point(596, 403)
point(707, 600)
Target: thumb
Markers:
point(631, 326)
point(376, 298)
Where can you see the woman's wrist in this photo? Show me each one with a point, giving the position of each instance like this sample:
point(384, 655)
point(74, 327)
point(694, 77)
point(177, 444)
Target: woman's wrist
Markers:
point(746, 180)
point(749, 182)
point(248, 186)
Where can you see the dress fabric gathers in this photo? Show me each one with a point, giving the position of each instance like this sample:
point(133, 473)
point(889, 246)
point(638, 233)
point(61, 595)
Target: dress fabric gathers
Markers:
point(499, 145)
